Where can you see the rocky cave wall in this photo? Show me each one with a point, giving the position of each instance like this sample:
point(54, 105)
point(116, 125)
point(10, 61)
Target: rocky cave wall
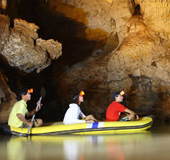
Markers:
point(132, 53)
point(139, 65)
point(21, 50)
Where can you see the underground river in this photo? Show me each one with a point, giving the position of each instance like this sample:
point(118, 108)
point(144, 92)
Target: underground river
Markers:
point(151, 144)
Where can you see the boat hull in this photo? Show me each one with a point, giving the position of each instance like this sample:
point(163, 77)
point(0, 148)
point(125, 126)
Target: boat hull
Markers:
point(142, 124)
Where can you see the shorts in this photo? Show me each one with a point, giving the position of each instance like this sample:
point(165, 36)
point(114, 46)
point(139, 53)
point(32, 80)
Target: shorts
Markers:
point(124, 119)
point(35, 124)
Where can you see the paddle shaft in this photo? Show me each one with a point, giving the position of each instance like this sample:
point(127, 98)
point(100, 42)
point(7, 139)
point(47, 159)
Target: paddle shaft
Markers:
point(32, 120)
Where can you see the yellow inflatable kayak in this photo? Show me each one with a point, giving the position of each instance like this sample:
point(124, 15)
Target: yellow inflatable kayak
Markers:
point(103, 127)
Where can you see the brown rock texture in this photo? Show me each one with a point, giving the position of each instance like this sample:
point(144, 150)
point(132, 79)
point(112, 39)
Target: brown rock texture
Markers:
point(4, 31)
point(132, 53)
point(22, 48)
point(7, 99)
point(140, 63)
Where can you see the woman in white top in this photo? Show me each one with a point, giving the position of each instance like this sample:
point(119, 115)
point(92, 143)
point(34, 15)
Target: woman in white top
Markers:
point(74, 113)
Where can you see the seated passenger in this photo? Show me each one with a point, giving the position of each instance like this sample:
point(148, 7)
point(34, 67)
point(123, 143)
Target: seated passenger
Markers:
point(74, 113)
point(19, 111)
point(115, 108)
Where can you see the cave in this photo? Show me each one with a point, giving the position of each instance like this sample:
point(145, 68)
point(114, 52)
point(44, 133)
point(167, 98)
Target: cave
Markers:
point(65, 46)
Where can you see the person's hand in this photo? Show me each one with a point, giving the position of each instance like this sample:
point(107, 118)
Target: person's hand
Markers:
point(137, 117)
point(39, 106)
point(30, 124)
point(89, 121)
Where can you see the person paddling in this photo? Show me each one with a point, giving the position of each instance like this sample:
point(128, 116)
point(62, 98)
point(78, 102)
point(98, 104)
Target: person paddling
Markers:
point(74, 113)
point(115, 108)
point(19, 112)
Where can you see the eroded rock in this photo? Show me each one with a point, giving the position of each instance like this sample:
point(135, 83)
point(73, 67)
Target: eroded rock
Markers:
point(135, 57)
point(140, 64)
point(21, 50)
point(7, 99)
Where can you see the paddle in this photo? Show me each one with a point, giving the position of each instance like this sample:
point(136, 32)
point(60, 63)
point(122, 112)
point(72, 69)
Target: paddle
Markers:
point(42, 93)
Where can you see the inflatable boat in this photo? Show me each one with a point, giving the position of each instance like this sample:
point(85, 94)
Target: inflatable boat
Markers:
point(103, 127)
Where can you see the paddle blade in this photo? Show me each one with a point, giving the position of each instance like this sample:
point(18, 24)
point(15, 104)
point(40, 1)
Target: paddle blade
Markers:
point(42, 92)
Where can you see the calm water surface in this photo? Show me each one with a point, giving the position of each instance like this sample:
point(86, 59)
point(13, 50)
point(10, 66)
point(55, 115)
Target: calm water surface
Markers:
point(153, 144)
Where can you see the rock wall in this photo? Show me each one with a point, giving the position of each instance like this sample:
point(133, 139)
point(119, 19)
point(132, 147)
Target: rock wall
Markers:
point(7, 98)
point(22, 48)
point(139, 65)
point(144, 54)
point(132, 53)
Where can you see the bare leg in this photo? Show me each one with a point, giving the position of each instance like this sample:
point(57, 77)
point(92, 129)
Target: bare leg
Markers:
point(40, 122)
point(131, 117)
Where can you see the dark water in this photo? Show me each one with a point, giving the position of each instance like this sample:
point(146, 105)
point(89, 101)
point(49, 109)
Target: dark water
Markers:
point(152, 144)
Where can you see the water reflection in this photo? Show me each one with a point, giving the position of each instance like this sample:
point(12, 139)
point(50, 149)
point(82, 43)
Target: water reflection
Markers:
point(76, 147)
point(16, 149)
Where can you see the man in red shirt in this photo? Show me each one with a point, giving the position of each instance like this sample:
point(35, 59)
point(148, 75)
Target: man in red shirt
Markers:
point(115, 108)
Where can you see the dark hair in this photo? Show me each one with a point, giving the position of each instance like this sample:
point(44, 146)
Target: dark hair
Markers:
point(115, 94)
point(21, 92)
point(75, 99)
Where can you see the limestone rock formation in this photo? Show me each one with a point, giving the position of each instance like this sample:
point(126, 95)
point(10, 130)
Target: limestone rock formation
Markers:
point(4, 31)
point(7, 99)
point(23, 49)
point(132, 53)
point(140, 63)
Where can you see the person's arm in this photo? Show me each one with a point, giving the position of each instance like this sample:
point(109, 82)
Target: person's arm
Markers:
point(82, 115)
point(29, 114)
point(22, 118)
point(131, 114)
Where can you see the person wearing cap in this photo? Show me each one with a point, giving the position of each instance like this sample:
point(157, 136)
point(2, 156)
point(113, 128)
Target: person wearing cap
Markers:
point(74, 113)
point(116, 108)
point(20, 111)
